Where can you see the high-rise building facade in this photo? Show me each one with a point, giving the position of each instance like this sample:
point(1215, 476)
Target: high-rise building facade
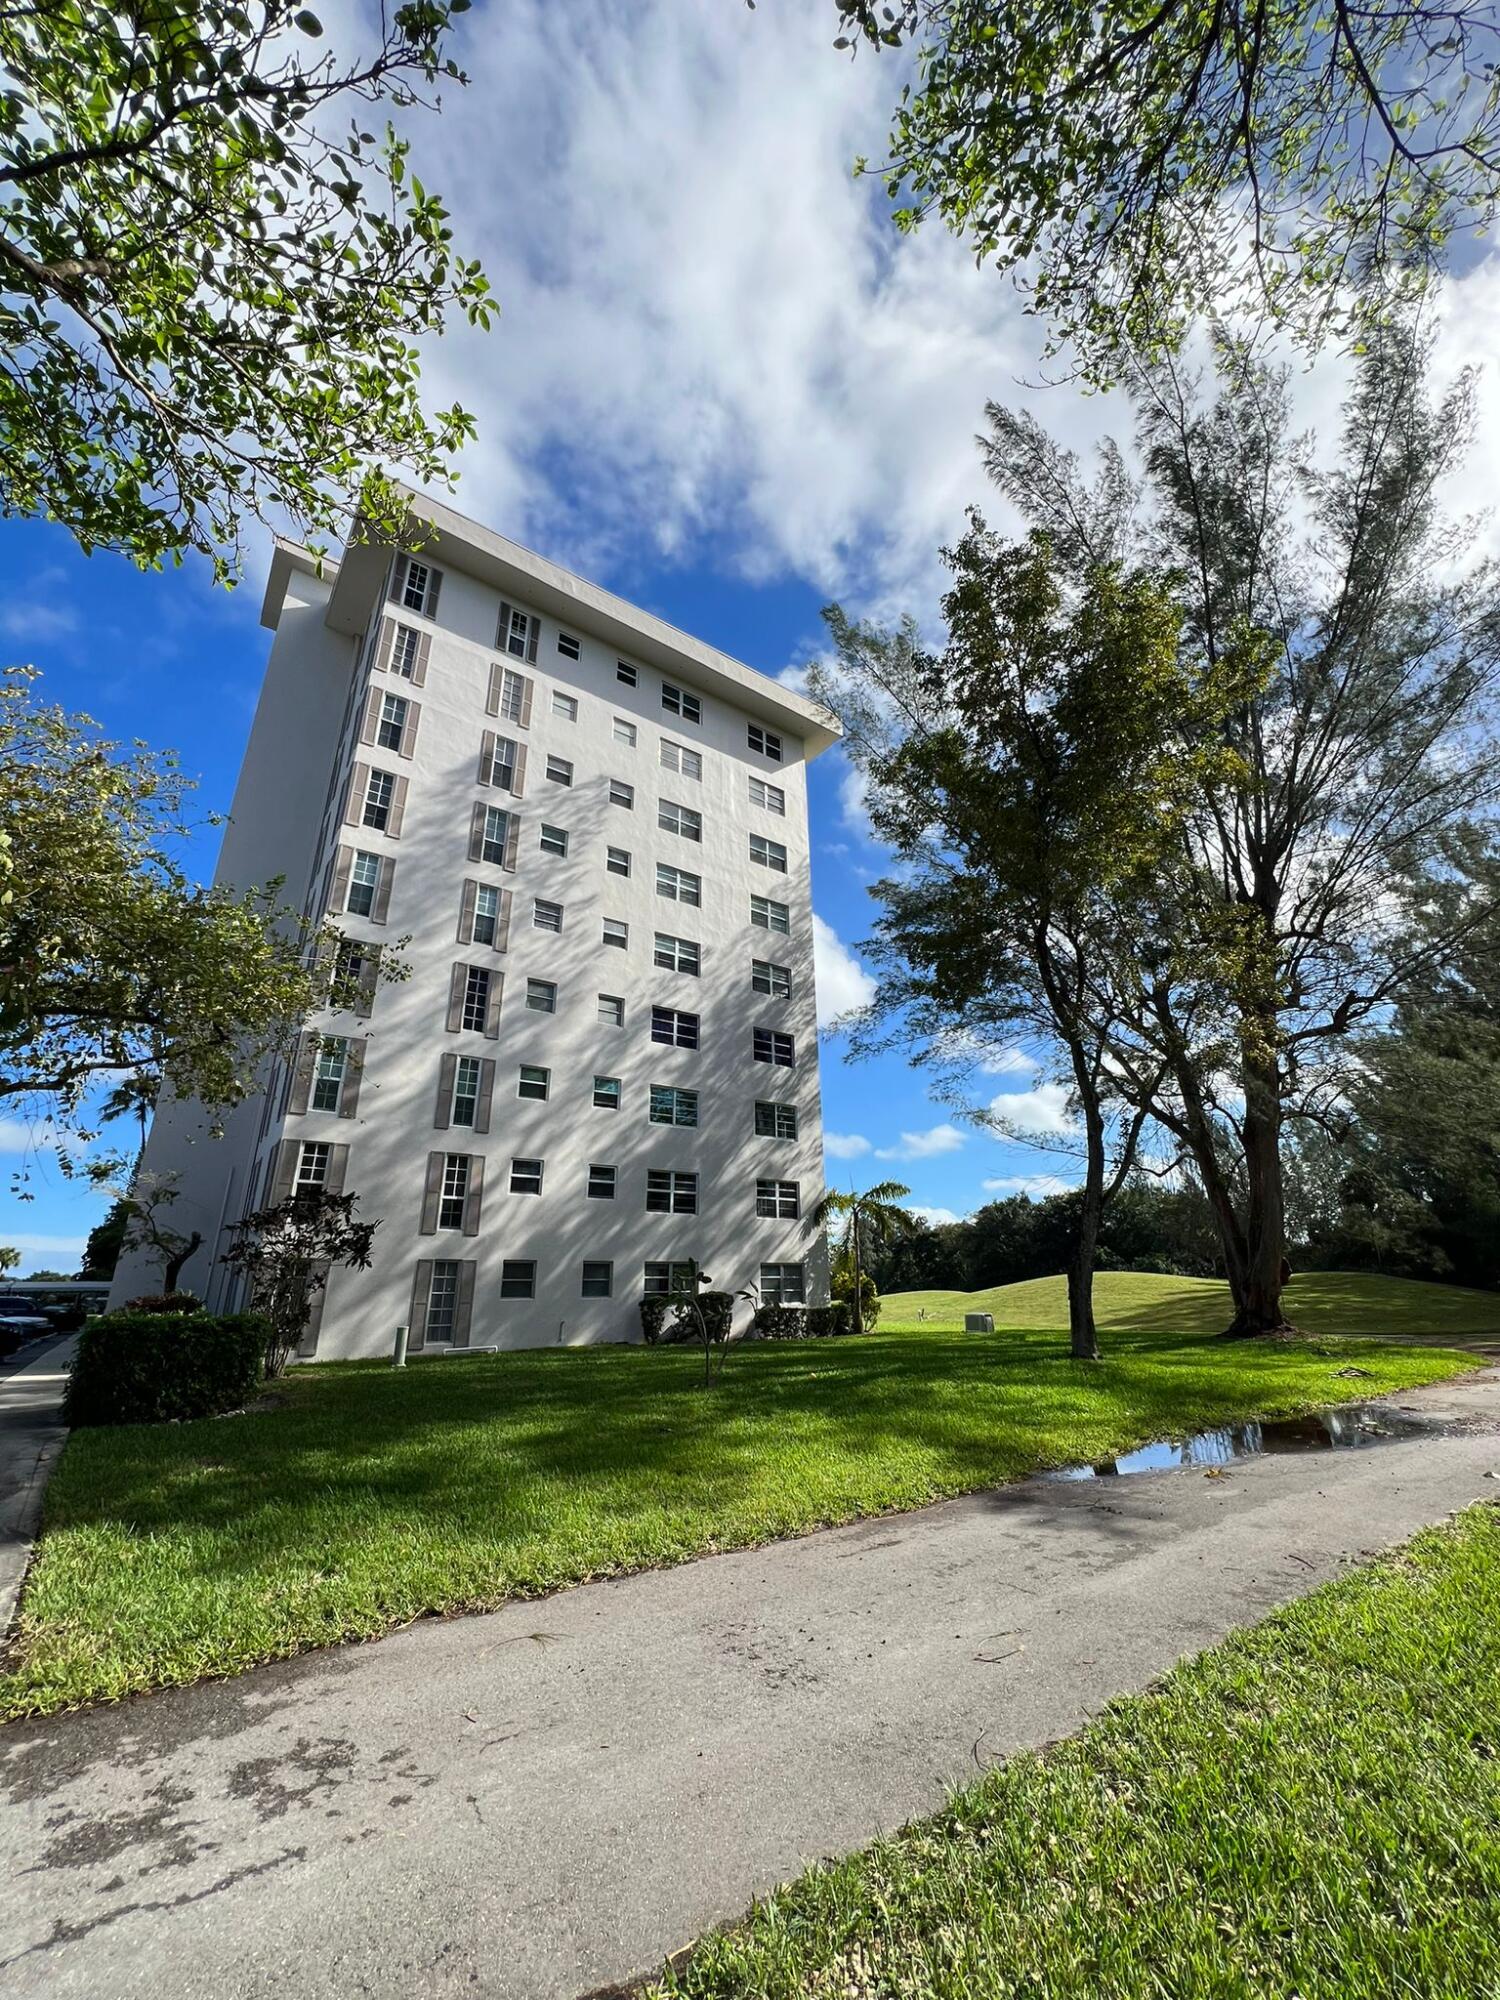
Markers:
point(581, 839)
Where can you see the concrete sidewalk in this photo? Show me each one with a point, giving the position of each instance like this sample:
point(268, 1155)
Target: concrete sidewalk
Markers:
point(547, 1799)
point(31, 1436)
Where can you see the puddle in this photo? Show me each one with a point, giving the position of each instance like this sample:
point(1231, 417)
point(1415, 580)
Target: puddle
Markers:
point(1348, 1428)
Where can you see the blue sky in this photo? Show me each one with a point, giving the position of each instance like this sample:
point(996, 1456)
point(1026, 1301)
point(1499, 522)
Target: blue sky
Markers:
point(720, 385)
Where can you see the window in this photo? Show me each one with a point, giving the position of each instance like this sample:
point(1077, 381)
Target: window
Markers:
point(617, 860)
point(607, 1093)
point(328, 1076)
point(559, 770)
point(775, 1121)
point(777, 1198)
point(769, 916)
point(660, 1279)
point(405, 650)
point(493, 837)
point(624, 731)
point(554, 840)
point(534, 1083)
point(772, 1046)
point(476, 997)
point(518, 1279)
point(673, 1029)
point(513, 688)
point(621, 794)
point(313, 1160)
point(364, 879)
point(417, 586)
point(598, 1280)
point(391, 727)
point(675, 954)
point(768, 978)
point(442, 1303)
point(670, 1106)
point(781, 1284)
point(677, 885)
point(497, 762)
point(565, 705)
point(355, 969)
point(526, 1176)
point(616, 931)
point(455, 1191)
point(611, 1010)
point(765, 743)
point(671, 1193)
point(677, 701)
point(380, 790)
point(626, 674)
point(541, 996)
point(601, 1183)
point(514, 631)
point(486, 914)
point(679, 819)
point(769, 853)
point(771, 798)
point(677, 757)
point(568, 646)
point(546, 916)
point(466, 1076)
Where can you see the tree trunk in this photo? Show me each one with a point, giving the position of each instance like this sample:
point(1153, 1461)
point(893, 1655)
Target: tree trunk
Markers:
point(1083, 1337)
point(859, 1301)
point(1258, 1308)
point(176, 1261)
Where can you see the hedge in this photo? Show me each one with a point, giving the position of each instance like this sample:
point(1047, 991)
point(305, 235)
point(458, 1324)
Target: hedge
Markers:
point(778, 1322)
point(164, 1302)
point(717, 1309)
point(152, 1368)
point(823, 1321)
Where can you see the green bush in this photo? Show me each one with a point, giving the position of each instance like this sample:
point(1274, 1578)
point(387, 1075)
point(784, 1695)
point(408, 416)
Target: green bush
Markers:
point(718, 1310)
point(843, 1294)
point(653, 1318)
point(778, 1322)
point(153, 1368)
point(164, 1302)
point(823, 1321)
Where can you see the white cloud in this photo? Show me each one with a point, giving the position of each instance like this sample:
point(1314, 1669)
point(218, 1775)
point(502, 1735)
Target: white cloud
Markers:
point(37, 623)
point(928, 1145)
point(842, 982)
point(18, 1137)
point(845, 1145)
point(1044, 1109)
point(58, 1248)
point(933, 1215)
point(1034, 1186)
point(1009, 1062)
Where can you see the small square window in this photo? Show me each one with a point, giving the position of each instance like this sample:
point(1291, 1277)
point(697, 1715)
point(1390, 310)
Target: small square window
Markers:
point(625, 673)
point(775, 1121)
point(677, 701)
point(781, 1284)
point(765, 743)
point(541, 996)
point(671, 1106)
point(675, 954)
point(677, 757)
point(313, 1162)
point(769, 916)
point(546, 916)
point(601, 1183)
point(621, 794)
point(565, 705)
point(778, 1199)
point(611, 1010)
point(768, 853)
point(617, 860)
point(559, 770)
point(607, 1093)
point(518, 1279)
point(671, 1193)
point(768, 978)
point(674, 1029)
point(625, 731)
point(770, 798)
point(662, 1279)
point(598, 1280)
point(677, 885)
point(569, 647)
point(616, 931)
point(526, 1176)
point(771, 1046)
point(554, 840)
point(534, 1083)
point(673, 818)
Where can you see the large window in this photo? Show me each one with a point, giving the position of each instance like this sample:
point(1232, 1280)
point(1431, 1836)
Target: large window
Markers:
point(364, 880)
point(671, 1106)
point(380, 792)
point(406, 650)
point(328, 1076)
point(476, 998)
point(673, 818)
point(442, 1303)
point(673, 1028)
point(775, 1121)
point(486, 914)
point(768, 916)
point(781, 1284)
point(676, 954)
point(677, 701)
point(467, 1072)
point(677, 757)
point(513, 688)
point(660, 1279)
point(514, 632)
point(773, 979)
point(455, 1191)
point(777, 1198)
point(768, 853)
point(493, 838)
point(669, 1192)
point(770, 798)
point(772, 1046)
point(391, 727)
point(313, 1160)
point(419, 587)
point(677, 885)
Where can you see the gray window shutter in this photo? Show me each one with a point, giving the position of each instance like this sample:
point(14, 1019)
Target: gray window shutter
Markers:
point(364, 1003)
point(486, 1095)
point(463, 1304)
point(283, 1166)
point(518, 771)
point(434, 590)
point(492, 1007)
point(308, 1345)
point(527, 686)
point(432, 1193)
point(502, 626)
point(443, 1109)
point(476, 831)
point(497, 681)
point(512, 841)
point(487, 757)
point(354, 1070)
point(408, 746)
point(387, 641)
point(381, 906)
point(371, 721)
point(419, 664)
point(359, 777)
point(475, 1194)
point(343, 863)
point(534, 632)
point(421, 1292)
point(398, 809)
point(502, 928)
point(338, 1168)
point(398, 577)
point(302, 1073)
point(466, 912)
point(456, 980)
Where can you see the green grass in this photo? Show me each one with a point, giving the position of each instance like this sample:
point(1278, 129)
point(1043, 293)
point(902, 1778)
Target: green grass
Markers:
point(1310, 1811)
point(177, 1551)
point(1321, 1302)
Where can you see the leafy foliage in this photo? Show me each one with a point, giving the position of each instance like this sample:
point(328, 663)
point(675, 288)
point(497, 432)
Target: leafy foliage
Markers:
point(210, 294)
point(153, 1366)
point(869, 1220)
point(105, 1242)
point(286, 1251)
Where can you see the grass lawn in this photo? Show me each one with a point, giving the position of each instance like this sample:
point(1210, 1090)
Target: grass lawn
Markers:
point(1321, 1302)
point(177, 1551)
point(1310, 1811)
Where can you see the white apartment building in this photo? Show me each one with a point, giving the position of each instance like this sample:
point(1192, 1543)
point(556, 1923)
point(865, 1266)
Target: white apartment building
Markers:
point(584, 836)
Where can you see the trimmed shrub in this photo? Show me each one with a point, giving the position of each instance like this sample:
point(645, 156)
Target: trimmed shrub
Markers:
point(164, 1302)
point(778, 1322)
point(718, 1310)
point(654, 1328)
point(824, 1321)
point(717, 1307)
point(154, 1368)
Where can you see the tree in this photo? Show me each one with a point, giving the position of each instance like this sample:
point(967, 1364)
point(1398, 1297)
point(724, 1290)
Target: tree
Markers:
point(105, 1242)
point(287, 1250)
point(146, 1207)
point(1032, 779)
point(113, 966)
point(870, 1220)
point(210, 294)
point(10, 1260)
point(1135, 165)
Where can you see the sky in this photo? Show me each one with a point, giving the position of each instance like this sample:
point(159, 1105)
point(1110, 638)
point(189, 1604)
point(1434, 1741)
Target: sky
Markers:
point(721, 385)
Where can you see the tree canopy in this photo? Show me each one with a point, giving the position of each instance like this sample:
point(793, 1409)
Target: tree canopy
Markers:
point(211, 285)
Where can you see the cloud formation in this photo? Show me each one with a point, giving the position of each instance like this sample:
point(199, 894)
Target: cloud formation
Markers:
point(1033, 1186)
point(843, 984)
point(928, 1145)
point(845, 1145)
point(1044, 1109)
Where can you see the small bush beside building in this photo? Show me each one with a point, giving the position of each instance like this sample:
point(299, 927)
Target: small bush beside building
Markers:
point(134, 1367)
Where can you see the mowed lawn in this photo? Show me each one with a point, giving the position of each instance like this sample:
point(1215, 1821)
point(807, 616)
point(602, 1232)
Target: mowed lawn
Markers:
point(178, 1551)
point(1321, 1302)
point(1310, 1811)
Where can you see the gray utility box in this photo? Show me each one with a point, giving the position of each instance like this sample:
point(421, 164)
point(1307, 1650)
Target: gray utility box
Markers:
point(979, 1322)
